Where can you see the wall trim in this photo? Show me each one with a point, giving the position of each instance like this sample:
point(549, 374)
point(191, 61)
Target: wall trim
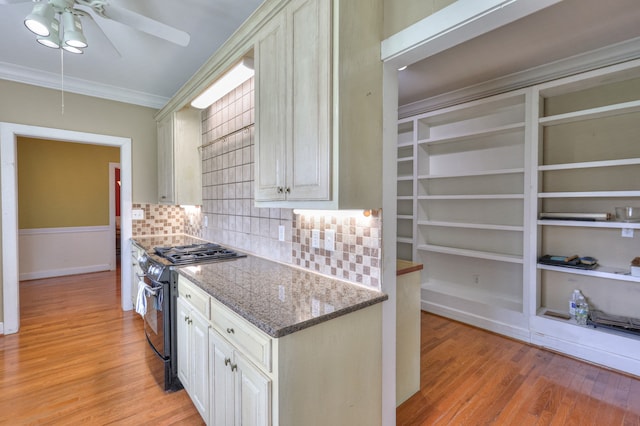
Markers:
point(64, 272)
point(609, 55)
point(65, 230)
point(79, 86)
point(1, 328)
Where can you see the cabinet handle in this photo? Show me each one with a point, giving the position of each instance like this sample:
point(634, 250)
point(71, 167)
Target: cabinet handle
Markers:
point(190, 321)
point(230, 330)
point(280, 190)
point(287, 190)
point(227, 361)
point(188, 296)
point(186, 319)
point(234, 367)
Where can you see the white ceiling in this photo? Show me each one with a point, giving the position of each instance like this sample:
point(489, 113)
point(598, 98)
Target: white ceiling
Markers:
point(147, 71)
point(568, 28)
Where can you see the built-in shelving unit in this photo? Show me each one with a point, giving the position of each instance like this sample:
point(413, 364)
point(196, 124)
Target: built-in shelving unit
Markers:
point(406, 189)
point(468, 212)
point(484, 172)
point(588, 160)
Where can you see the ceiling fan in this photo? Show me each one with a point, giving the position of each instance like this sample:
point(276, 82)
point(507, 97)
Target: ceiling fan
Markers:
point(58, 23)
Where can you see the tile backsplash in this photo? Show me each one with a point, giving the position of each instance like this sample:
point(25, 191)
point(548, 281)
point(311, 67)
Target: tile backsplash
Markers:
point(228, 215)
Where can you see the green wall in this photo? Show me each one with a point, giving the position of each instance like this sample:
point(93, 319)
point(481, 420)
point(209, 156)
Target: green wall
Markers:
point(63, 184)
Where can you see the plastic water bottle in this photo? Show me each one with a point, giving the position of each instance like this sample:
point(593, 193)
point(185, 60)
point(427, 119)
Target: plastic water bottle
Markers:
point(573, 301)
point(582, 310)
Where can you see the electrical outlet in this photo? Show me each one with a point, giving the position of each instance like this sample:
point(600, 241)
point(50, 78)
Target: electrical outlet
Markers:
point(627, 232)
point(476, 278)
point(281, 233)
point(315, 238)
point(137, 214)
point(330, 240)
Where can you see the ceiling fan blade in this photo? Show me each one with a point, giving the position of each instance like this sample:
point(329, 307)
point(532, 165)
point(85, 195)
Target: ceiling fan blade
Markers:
point(88, 15)
point(146, 24)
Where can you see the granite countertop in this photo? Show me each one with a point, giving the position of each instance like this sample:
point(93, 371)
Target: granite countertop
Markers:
point(278, 299)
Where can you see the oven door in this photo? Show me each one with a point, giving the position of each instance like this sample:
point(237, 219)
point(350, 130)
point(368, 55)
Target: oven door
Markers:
point(157, 316)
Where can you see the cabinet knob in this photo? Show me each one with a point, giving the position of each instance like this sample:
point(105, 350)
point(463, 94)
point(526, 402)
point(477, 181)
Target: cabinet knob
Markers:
point(230, 330)
point(287, 190)
point(234, 367)
point(188, 296)
point(227, 361)
point(190, 321)
point(279, 190)
point(186, 319)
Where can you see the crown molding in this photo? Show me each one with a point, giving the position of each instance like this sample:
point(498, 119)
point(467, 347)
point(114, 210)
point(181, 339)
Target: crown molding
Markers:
point(79, 86)
point(605, 56)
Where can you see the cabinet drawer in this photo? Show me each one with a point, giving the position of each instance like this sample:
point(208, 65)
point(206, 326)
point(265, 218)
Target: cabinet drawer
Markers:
point(197, 298)
point(252, 342)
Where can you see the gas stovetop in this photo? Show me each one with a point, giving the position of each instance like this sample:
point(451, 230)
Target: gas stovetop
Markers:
point(194, 253)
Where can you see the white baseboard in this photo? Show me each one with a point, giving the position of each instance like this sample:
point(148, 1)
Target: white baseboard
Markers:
point(1, 328)
point(64, 272)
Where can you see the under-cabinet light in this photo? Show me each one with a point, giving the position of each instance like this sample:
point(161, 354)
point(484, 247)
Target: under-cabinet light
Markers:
point(336, 213)
point(233, 78)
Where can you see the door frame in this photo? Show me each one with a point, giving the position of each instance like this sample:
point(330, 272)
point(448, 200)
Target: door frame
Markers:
point(9, 133)
point(112, 213)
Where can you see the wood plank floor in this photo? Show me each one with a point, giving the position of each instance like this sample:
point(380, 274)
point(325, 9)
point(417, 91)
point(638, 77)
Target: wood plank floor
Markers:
point(79, 360)
point(473, 377)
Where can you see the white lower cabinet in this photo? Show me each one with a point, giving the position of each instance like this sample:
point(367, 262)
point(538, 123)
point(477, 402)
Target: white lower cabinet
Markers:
point(193, 355)
point(240, 393)
point(236, 374)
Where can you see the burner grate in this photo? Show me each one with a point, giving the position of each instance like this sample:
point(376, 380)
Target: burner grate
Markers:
point(208, 252)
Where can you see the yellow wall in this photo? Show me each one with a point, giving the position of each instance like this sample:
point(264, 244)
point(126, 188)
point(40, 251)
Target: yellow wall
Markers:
point(400, 14)
point(63, 184)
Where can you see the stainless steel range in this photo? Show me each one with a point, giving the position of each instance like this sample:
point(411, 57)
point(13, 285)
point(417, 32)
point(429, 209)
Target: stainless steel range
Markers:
point(158, 298)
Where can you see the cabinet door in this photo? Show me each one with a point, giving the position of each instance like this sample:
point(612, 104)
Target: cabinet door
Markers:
point(166, 189)
point(253, 394)
point(270, 112)
point(309, 107)
point(182, 329)
point(222, 396)
point(199, 362)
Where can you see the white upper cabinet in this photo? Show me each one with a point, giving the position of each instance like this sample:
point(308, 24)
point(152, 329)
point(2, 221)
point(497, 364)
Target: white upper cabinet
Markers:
point(293, 95)
point(179, 164)
point(317, 78)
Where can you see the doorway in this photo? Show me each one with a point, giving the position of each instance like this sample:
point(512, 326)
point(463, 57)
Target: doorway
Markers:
point(9, 132)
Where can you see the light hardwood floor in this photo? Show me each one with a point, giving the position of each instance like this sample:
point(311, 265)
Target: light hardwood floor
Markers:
point(473, 377)
point(79, 360)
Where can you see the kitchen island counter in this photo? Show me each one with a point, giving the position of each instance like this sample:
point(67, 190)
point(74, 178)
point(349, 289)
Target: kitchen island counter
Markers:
point(279, 299)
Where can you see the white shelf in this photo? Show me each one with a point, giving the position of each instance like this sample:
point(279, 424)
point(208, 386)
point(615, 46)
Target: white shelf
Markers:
point(405, 144)
point(471, 225)
point(590, 164)
point(592, 113)
point(590, 224)
point(405, 159)
point(474, 173)
point(405, 178)
point(473, 294)
point(595, 194)
point(405, 197)
point(404, 240)
point(404, 217)
point(471, 253)
point(471, 135)
point(473, 197)
point(599, 272)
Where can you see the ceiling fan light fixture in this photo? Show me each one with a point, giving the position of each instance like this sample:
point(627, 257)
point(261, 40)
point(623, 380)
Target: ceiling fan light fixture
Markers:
point(40, 18)
point(233, 78)
point(72, 29)
point(72, 49)
point(53, 39)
